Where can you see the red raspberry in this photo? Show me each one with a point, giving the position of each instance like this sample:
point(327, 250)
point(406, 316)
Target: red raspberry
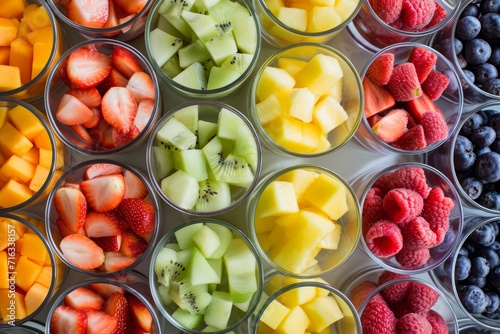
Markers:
point(372, 209)
point(387, 10)
point(396, 292)
point(424, 60)
point(413, 323)
point(420, 297)
point(384, 239)
point(417, 234)
point(416, 14)
point(384, 183)
point(411, 178)
point(412, 258)
point(412, 140)
point(361, 291)
point(437, 322)
point(436, 210)
point(403, 83)
point(435, 84)
point(380, 69)
point(402, 205)
point(377, 318)
point(439, 14)
point(435, 127)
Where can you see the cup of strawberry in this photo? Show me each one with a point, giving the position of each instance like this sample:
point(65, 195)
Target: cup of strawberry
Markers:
point(413, 100)
point(412, 217)
point(102, 217)
point(102, 97)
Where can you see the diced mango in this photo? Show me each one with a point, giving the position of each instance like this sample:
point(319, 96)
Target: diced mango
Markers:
point(329, 195)
point(8, 31)
point(37, 18)
point(41, 55)
point(20, 228)
point(29, 8)
point(33, 156)
point(5, 304)
point(45, 157)
point(43, 140)
point(39, 178)
point(23, 29)
point(4, 270)
point(34, 248)
point(17, 168)
point(4, 55)
point(275, 313)
point(12, 8)
point(10, 78)
point(277, 199)
point(35, 297)
point(45, 35)
point(14, 193)
point(26, 122)
point(21, 311)
point(4, 112)
point(27, 272)
point(21, 55)
point(45, 277)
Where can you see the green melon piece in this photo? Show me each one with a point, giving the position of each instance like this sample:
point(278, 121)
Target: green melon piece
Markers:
point(175, 136)
point(214, 195)
point(246, 146)
point(187, 319)
point(206, 240)
point(181, 188)
point(164, 296)
point(200, 272)
point(189, 117)
point(221, 77)
point(238, 62)
point(221, 47)
point(163, 45)
point(225, 237)
point(240, 265)
point(192, 77)
point(192, 162)
point(166, 26)
point(162, 161)
point(172, 67)
point(184, 236)
point(206, 132)
point(229, 124)
point(218, 312)
point(196, 52)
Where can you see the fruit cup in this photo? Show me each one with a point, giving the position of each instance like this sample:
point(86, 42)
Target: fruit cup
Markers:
point(122, 303)
point(102, 97)
point(205, 276)
point(469, 43)
point(470, 159)
point(412, 217)
point(29, 327)
point(304, 220)
point(31, 42)
point(118, 19)
point(390, 302)
point(381, 23)
point(302, 306)
point(204, 158)
point(203, 51)
point(401, 84)
point(465, 326)
point(471, 275)
point(31, 157)
point(30, 272)
point(306, 100)
point(102, 217)
point(289, 22)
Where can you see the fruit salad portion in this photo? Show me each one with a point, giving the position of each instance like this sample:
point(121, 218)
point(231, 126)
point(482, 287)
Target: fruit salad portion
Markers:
point(204, 45)
point(404, 218)
point(400, 99)
point(202, 165)
point(104, 218)
point(208, 277)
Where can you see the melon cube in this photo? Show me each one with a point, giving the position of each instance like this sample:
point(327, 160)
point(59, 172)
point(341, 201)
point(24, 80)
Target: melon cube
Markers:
point(34, 248)
point(10, 78)
point(300, 104)
point(218, 311)
point(240, 264)
point(295, 322)
point(12, 141)
point(13, 193)
point(45, 276)
point(35, 297)
point(298, 296)
point(323, 18)
point(12, 8)
point(329, 195)
point(274, 314)
point(329, 114)
point(181, 180)
point(4, 270)
point(301, 179)
point(192, 162)
point(7, 233)
point(37, 18)
point(273, 80)
point(295, 18)
point(268, 109)
point(8, 31)
point(164, 45)
point(207, 241)
point(229, 124)
point(17, 168)
point(27, 272)
point(322, 311)
point(320, 74)
point(21, 55)
point(277, 199)
point(291, 65)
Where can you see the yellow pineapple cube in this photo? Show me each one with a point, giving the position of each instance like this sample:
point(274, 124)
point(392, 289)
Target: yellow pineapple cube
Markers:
point(329, 195)
point(13, 193)
point(274, 284)
point(297, 296)
point(328, 114)
point(337, 91)
point(291, 65)
point(320, 74)
point(310, 229)
point(295, 322)
point(34, 248)
point(322, 18)
point(277, 234)
point(289, 133)
point(264, 242)
point(274, 314)
point(332, 240)
point(26, 122)
point(262, 328)
point(273, 80)
point(265, 224)
point(27, 272)
point(346, 8)
point(301, 179)
point(311, 135)
point(277, 199)
point(301, 4)
point(295, 18)
point(322, 312)
point(323, 145)
point(13, 142)
point(329, 3)
point(17, 168)
point(274, 6)
point(268, 109)
point(35, 297)
point(33, 156)
point(300, 104)
point(321, 291)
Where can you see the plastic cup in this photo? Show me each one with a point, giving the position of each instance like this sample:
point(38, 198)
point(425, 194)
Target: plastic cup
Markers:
point(465, 326)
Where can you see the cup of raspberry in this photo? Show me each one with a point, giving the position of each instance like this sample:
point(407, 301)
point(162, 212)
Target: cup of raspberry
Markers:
point(413, 101)
point(471, 276)
point(390, 302)
point(381, 23)
point(412, 217)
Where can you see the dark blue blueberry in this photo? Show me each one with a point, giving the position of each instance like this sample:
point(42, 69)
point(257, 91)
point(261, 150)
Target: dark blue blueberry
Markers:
point(496, 227)
point(487, 167)
point(479, 281)
point(489, 6)
point(494, 122)
point(477, 51)
point(463, 251)
point(471, 247)
point(495, 246)
point(447, 243)
point(491, 86)
point(481, 150)
point(473, 122)
point(494, 303)
point(472, 187)
point(471, 9)
point(490, 200)
point(483, 136)
point(479, 267)
point(464, 161)
point(453, 84)
point(483, 235)
point(495, 278)
point(463, 145)
point(468, 28)
point(459, 46)
point(473, 299)
point(495, 147)
point(490, 255)
point(490, 26)
point(484, 72)
point(495, 55)
point(462, 267)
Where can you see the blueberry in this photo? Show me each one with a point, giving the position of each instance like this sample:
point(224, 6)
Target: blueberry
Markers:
point(471, 10)
point(471, 247)
point(459, 46)
point(472, 187)
point(483, 235)
point(472, 123)
point(496, 247)
point(490, 200)
point(490, 26)
point(463, 251)
point(490, 255)
point(494, 122)
point(478, 281)
point(481, 150)
point(495, 278)
point(487, 167)
point(473, 299)
point(484, 72)
point(463, 145)
point(495, 55)
point(464, 161)
point(483, 136)
point(494, 302)
point(489, 6)
point(492, 86)
point(470, 76)
point(495, 147)
point(496, 227)
point(477, 51)
point(479, 267)
point(462, 267)
point(467, 28)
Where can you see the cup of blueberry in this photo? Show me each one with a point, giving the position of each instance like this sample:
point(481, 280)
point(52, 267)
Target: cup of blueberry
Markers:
point(475, 164)
point(472, 275)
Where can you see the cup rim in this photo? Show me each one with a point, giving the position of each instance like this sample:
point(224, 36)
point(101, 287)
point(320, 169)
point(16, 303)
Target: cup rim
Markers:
point(149, 157)
point(49, 222)
point(147, 68)
point(171, 234)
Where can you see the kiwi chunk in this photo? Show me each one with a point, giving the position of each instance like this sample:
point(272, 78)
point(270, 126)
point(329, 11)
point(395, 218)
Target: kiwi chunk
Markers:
point(214, 195)
point(170, 266)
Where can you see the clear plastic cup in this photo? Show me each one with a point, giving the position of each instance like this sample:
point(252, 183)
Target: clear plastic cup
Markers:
point(449, 104)
point(465, 326)
point(325, 208)
point(341, 89)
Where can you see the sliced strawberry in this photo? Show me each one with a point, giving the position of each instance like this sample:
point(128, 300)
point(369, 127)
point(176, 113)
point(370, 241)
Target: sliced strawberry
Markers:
point(109, 244)
point(380, 69)
point(132, 244)
point(114, 79)
point(71, 111)
point(377, 98)
point(122, 223)
point(420, 105)
point(83, 133)
point(119, 108)
point(92, 14)
point(100, 224)
point(66, 319)
point(142, 87)
point(64, 230)
point(117, 307)
point(106, 290)
point(139, 214)
point(413, 139)
point(102, 134)
point(392, 126)
point(87, 68)
point(374, 119)
point(112, 19)
point(105, 192)
point(122, 139)
point(134, 187)
point(82, 252)
point(144, 114)
point(116, 261)
point(90, 96)
point(140, 313)
point(99, 169)
point(63, 73)
point(131, 6)
point(124, 61)
point(99, 322)
point(71, 205)
point(84, 299)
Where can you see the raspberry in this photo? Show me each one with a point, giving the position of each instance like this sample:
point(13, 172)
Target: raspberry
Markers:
point(412, 258)
point(435, 84)
point(387, 10)
point(416, 14)
point(439, 14)
point(412, 140)
point(413, 323)
point(418, 234)
point(411, 178)
point(361, 291)
point(435, 127)
point(377, 318)
point(384, 183)
point(380, 69)
point(421, 297)
point(436, 321)
point(372, 209)
point(402, 205)
point(424, 61)
point(396, 292)
point(436, 210)
point(403, 83)
point(384, 239)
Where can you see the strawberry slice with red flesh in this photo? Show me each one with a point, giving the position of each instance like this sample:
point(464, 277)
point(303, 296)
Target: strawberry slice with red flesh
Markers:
point(84, 299)
point(71, 205)
point(117, 307)
point(102, 134)
point(377, 98)
point(94, 121)
point(105, 192)
point(122, 139)
point(116, 261)
point(119, 108)
point(82, 252)
point(90, 96)
point(140, 313)
point(131, 6)
point(87, 68)
point(100, 169)
point(112, 20)
point(114, 79)
point(83, 134)
point(109, 244)
point(92, 14)
point(99, 322)
point(63, 73)
point(100, 224)
point(64, 230)
point(106, 290)
point(139, 214)
point(142, 87)
point(72, 111)
point(392, 126)
point(420, 105)
point(124, 61)
point(144, 113)
point(380, 69)
point(68, 320)
point(134, 186)
point(132, 244)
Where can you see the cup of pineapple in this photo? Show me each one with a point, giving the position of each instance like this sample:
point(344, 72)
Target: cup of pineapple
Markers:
point(304, 220)
point(306, 100)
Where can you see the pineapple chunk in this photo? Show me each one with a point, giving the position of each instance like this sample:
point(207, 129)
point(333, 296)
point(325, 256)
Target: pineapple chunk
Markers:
point(301, 179)
point(323, 18)
point(293, 135)
point(331, 241)
point(295, 322)
point(328, 114)
point(268, 109)
point(262, 225)
point(295, 18)
point(322, 312)
point(297, 296)
point(346, 8)
point(273, 80)
point(277, 199)
point(329, 195)
point(291, 65)
point(274, 6)
point(274, 314)
point(300, 104)
point(320, 74)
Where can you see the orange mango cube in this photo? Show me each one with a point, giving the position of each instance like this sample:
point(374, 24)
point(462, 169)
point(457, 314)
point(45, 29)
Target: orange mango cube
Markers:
point(4, 271)
point(34, 248)
point(7, 234)
point(23, 29)
point(4, 55)
point(41, 54)
point(35, 297)
point(40, 176)
point(12, 8)
point(45, 157)
point(10, 78)
point(26, 122)
point(45, 35)
point(33, 156)
point(45, 277)
point(37, 18)
point(8, 31)
point(13, 142)
point(43, 140)
point(21, 55)
point(17, 168)
point(27, 272)
point(3, 115)
point(13, 193)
